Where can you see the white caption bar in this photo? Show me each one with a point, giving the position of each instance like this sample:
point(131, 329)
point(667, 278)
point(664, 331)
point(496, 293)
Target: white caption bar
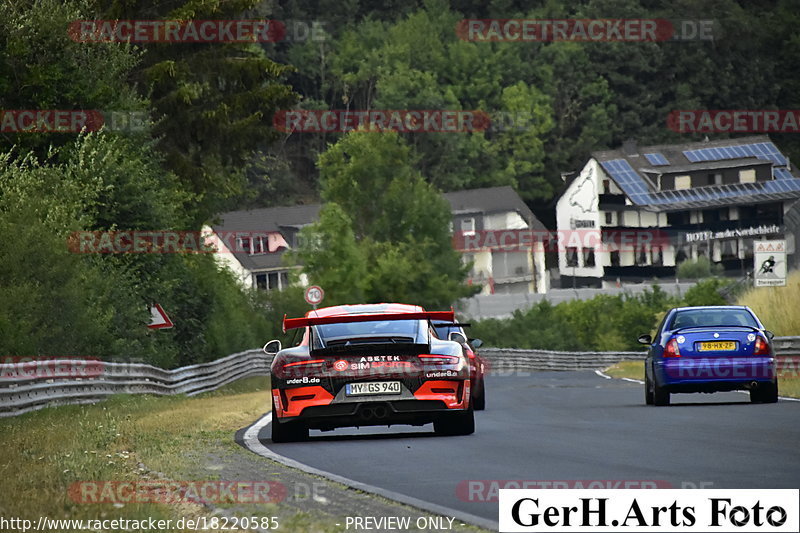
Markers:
point(650, 510)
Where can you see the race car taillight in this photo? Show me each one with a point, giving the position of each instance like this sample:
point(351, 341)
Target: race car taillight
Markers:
point(439, 359)
point(762, 346)
point(306, 364)
point(671, 349)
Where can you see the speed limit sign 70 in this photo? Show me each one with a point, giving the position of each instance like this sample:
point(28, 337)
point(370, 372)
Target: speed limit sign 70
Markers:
point(314, 295)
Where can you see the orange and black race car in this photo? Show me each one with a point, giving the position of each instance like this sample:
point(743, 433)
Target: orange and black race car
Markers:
point(367, 365)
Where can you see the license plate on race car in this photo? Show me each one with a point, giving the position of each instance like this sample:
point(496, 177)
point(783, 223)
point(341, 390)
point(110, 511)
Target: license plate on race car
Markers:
point(372, 387)
point(721, 346)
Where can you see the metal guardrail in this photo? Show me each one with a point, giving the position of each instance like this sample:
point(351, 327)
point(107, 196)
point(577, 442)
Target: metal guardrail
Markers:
point(787, 346)
point(787, 351)
point(502, 360)
point(26, 387)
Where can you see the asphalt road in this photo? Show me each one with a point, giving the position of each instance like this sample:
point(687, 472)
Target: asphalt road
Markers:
point(570, 426)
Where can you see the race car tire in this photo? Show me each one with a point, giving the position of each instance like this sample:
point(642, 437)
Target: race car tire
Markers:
point(458, 423)
point(660, 396)
point(648, 392)
point(479, 401)
point(287, 431)
point(765, 394)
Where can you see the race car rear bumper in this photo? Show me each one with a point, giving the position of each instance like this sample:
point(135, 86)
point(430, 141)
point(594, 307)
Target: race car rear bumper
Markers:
point(316, 408)
point(372, 413)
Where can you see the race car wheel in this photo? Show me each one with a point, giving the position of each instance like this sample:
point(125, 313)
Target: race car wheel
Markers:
point(648, 392)
point(660, 396)
point(767, 393)
point(479, 401)
point(458, 423)
point(287, 431)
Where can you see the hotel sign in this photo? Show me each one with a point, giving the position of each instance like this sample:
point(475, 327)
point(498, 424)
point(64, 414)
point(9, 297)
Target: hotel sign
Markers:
point(753, 231)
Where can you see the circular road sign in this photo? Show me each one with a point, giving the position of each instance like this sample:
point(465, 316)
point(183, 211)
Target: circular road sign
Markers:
point(314, 295)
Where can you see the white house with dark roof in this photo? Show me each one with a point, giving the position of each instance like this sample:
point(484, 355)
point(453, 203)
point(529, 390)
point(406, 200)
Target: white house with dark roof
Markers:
point(261, 237)
point(264, 235)
point(482, 218)
point(637, 212)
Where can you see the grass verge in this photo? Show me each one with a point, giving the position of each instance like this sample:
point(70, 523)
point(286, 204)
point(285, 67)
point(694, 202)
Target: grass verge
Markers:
point(788, 381)
point(776, 306)
point(47, 451)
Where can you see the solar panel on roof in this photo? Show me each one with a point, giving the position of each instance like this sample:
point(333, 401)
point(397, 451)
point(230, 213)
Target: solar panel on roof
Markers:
point(766, 151)
point(636, 188)
point(657, 159)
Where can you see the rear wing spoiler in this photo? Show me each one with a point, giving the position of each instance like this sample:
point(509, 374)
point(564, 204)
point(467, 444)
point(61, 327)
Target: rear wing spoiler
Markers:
point(294, 323)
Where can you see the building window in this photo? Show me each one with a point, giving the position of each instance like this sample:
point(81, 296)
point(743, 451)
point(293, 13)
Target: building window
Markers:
point(572, 256)
point(711, 215)
point(656, 256)
point(747, 176)
point(243, 245)
point(468, 226)
point(259, 246)
point(272, 281)
point(614, 257)
point(640, 257)
point(677, 218)
point(588, 257)
point(683, 182)
point(609, 218)
point(729, 249)
point(606, 186)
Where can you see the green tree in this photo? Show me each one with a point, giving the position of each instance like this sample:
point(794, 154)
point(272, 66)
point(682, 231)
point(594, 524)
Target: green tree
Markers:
point(383, 233)
point(212, 104)
point(332, 258)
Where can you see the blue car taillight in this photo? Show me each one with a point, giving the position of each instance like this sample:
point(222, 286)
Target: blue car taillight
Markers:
point(762, 346)
point(671, 349)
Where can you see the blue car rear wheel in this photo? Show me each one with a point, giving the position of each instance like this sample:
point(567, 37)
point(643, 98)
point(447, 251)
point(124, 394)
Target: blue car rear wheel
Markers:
point(765, 393)
point(660, 396)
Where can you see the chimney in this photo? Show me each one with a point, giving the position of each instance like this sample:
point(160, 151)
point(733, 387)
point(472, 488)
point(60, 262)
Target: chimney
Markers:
point(629, 148)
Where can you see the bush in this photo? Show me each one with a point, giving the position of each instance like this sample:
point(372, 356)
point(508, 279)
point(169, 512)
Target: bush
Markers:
point(707, 292)
point(698, 268)
point(602, 323)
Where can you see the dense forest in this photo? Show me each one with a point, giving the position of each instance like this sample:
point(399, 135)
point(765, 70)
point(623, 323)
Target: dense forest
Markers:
point(209, 144)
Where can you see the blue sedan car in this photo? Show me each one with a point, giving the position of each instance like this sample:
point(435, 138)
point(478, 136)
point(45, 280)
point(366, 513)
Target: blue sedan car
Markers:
point(710, 349)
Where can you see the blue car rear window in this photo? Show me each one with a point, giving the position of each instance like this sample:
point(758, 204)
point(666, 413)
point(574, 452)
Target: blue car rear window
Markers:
point(712, 317)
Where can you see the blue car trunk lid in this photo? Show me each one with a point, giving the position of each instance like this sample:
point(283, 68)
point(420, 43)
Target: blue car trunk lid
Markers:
point(717, 341)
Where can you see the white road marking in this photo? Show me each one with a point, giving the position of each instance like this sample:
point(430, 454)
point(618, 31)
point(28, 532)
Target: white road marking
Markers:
point(252, 443)
point(640, 382)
